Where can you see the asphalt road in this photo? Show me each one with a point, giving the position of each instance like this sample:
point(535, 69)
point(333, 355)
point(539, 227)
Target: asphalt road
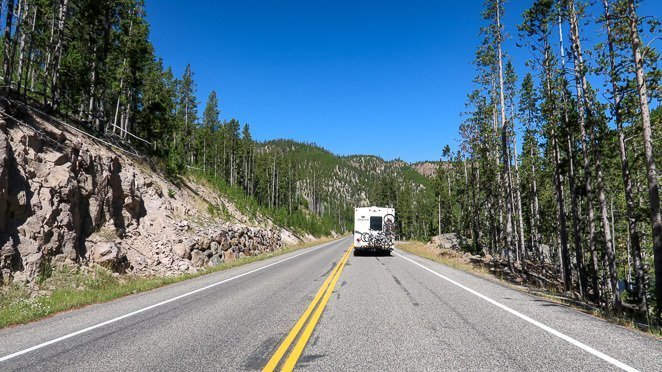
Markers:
point(393, 313)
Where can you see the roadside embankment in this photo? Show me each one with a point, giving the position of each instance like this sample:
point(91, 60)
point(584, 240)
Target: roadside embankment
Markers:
point(69, 200)
point(68, 289)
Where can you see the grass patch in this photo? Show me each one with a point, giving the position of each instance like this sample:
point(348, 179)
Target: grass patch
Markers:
point(71, 289)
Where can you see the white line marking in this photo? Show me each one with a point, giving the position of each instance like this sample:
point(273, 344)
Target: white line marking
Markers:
point(536, 323)
point(84, 330)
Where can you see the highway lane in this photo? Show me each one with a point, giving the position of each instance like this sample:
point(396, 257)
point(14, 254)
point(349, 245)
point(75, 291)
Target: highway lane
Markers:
point(232, 326)
point(385, 313)
point(391, 313)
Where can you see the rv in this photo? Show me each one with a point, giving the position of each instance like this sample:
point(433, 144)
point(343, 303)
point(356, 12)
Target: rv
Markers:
point(374, 229)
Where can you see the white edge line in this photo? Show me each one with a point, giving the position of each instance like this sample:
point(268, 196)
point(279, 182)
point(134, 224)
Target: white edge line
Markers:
point(99, 325)
point(536, 323)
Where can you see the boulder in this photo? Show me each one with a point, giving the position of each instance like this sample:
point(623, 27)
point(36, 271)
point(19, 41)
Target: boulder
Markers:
point(203, 244)
point(198, 258)
point(55, 158)
point(32, 262)
point(181, 250)
point(33, 141)
point(6, 252)
point(215, 247)
point(105, 254)
point(229, 256)
point(215, 260)
point(220, 237)
point(140, 263)
point(447, 241)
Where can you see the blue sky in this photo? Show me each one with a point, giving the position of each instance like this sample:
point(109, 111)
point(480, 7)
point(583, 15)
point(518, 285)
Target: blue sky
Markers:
point(376, 77)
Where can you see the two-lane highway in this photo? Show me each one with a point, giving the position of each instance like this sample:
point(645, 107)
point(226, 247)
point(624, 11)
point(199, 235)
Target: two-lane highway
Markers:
point(375, 313)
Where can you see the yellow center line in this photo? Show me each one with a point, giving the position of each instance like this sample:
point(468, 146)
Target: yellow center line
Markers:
point(305, 336)
point(323, 294)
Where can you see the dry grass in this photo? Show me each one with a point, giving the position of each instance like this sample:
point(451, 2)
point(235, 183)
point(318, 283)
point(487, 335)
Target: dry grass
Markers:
point(447, 257)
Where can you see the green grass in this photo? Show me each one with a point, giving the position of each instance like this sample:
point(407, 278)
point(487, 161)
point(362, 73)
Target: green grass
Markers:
point(68, 290)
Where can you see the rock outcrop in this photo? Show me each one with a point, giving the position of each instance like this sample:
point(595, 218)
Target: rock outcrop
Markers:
point(426, 168)
point(67, 200)
point(447, 241)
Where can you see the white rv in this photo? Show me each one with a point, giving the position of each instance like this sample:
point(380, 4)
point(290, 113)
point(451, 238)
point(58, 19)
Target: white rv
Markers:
point(374, 229)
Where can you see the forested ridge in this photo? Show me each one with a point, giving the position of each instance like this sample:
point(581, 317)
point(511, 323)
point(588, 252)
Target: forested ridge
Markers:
point(579, 194)
point(556, 167)
point(331, 186)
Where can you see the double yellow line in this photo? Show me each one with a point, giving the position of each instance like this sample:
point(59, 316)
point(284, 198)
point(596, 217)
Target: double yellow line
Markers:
point(315, 308)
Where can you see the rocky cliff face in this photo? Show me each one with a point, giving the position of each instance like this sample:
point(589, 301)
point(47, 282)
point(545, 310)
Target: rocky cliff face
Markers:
point(426, 168)
point(66, 199)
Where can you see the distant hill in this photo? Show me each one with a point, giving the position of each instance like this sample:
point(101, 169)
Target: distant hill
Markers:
point(336, 184)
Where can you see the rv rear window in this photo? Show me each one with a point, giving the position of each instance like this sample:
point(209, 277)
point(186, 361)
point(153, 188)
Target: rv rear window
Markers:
point(376, 223)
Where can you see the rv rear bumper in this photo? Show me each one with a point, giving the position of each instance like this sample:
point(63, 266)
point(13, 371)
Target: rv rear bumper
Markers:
point(371, 248)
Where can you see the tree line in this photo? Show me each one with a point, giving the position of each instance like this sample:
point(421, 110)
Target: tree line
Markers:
point(580, 193)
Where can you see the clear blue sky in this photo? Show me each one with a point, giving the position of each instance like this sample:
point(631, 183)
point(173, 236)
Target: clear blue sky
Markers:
point(388, 78)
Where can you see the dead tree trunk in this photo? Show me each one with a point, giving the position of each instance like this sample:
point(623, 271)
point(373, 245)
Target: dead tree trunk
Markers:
point(23, 14)
point(580, 83)
point(574, 199)
point(651, 169)
point(8, 41)
point(535, 215)
point(57, 54)
point(609, 245)
point(504, 142)
point(560, 198)
point(518, 198)
point(28, 68)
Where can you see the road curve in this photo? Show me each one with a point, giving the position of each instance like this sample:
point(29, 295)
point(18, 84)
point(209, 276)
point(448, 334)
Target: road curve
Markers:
point(398, 312)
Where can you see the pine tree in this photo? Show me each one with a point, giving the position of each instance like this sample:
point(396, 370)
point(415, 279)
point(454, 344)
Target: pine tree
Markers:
point(651, 169)
point(210, 125)
point(187, 113)
point(536, 24)
point(247, 154)
point(528, 111)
